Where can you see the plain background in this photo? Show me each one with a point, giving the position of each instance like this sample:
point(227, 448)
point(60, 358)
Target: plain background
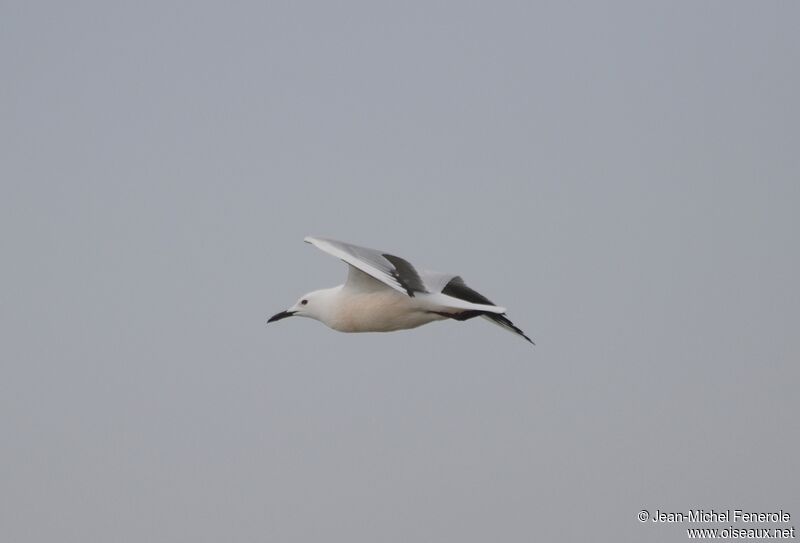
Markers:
point(624, 177)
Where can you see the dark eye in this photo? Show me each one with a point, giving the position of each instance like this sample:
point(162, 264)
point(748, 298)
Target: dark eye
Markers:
point(304, 302)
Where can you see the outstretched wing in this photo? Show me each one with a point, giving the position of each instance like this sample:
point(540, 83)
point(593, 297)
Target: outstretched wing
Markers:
point(390, 270)
point(457, 288)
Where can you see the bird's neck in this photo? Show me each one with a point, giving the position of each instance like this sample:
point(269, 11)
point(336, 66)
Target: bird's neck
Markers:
point(328, 298)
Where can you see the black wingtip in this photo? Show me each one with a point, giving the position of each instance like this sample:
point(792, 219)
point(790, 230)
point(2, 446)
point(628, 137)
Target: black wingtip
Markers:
point(520, 332)
point(405, 274)
point(506, 322)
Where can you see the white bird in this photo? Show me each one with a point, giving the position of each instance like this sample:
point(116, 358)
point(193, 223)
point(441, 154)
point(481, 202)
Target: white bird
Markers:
point(384, 293)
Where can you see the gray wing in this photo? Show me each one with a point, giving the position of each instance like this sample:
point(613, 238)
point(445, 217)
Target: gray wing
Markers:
point(390, 270)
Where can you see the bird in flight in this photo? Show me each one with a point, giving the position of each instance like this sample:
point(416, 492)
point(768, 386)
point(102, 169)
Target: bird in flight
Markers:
point(384, 293)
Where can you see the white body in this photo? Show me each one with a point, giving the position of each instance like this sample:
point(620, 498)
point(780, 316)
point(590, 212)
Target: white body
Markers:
point(383, 310)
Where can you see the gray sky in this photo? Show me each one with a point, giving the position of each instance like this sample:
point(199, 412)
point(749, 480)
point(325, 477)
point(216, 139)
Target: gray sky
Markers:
point(623, 177)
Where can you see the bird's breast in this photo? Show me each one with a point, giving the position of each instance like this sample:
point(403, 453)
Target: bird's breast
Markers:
point(384, 311)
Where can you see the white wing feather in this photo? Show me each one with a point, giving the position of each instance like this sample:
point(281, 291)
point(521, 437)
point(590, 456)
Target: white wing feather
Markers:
point(371, 267)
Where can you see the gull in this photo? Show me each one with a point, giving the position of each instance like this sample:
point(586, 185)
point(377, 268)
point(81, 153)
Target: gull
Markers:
point(384, 293)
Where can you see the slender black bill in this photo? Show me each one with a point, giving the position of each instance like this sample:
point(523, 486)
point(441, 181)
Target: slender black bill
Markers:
point(281, 315)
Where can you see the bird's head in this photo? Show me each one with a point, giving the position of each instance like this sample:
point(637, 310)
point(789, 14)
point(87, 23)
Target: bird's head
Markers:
point(313, 305)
